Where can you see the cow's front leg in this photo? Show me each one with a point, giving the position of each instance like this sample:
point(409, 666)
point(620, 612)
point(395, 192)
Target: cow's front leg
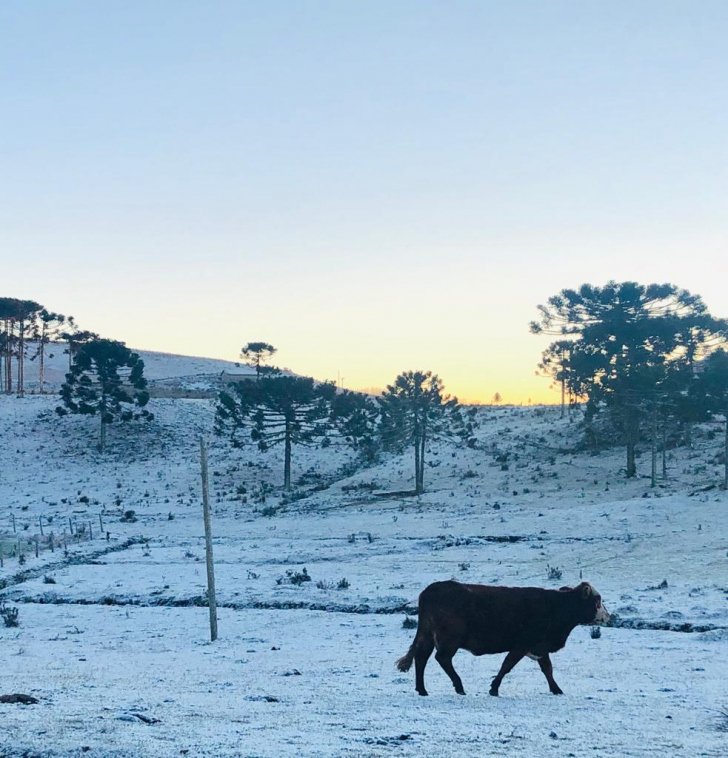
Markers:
point(508, 664)
point(548, 671)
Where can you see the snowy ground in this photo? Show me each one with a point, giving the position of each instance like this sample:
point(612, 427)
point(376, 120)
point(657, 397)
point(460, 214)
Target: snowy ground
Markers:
point(107, 637)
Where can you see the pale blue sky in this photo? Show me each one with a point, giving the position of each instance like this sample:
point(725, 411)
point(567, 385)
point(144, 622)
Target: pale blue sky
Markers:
point(371, 186)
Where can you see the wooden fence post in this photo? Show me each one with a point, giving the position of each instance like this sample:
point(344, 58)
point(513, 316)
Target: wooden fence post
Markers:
point(211, 599)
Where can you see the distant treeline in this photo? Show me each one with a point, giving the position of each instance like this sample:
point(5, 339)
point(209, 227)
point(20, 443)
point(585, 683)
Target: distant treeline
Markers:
point(643, 362)
point(25, 323)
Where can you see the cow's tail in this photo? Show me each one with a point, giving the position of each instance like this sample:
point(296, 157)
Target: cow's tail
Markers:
point(405, 662)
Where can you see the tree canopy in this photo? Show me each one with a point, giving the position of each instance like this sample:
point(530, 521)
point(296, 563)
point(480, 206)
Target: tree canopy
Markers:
point(416, 410)
point(106, 380)
point(283, 410)
point(628, 344)
point(256, 354)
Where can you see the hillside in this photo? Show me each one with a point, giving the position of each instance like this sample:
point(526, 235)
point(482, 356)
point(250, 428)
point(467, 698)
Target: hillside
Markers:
point(167, 373)
point(113, 631)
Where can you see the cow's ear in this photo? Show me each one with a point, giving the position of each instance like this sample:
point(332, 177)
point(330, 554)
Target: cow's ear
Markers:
point(586, 590)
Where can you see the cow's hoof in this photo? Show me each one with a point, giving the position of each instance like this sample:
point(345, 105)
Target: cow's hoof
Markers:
point(460, 692)
point(493, 692)
point(423, 693)
point(557, 691)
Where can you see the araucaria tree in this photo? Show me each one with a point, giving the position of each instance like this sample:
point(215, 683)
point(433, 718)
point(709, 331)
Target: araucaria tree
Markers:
point(415, 410)
point(17, 320)
point(283, 410)
point(106, 380)
point(631, 349)
point(354, 419)
point(714, 386)
point(256, 354)
point(48, 329)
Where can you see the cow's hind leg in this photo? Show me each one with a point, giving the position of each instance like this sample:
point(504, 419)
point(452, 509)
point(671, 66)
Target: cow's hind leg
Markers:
point(444, 657)
point(548, 671)
point(422, 654)
point(508, 664)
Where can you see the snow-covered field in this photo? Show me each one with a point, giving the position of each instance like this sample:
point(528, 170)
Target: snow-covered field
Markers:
point(113, 636)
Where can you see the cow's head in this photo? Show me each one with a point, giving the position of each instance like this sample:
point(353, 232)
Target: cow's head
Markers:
point(592, 610)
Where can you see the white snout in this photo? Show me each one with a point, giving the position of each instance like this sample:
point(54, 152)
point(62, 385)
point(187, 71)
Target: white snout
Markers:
point(602, 616)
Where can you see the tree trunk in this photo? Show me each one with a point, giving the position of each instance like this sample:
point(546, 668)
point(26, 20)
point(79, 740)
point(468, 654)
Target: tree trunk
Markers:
point(287, 461)
point(632, 429)
point(653, 476)
point(563, 397)
point(21, 358)
point(421, 480)
point(41, 360)
point(664, 449)
point(102, 435)
point(8, 356)
point(632, 435)
point(725, 462)
point(417, 464)
point(21, 351)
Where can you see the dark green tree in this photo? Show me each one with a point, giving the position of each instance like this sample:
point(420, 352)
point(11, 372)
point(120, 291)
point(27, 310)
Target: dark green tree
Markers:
point(283, 410)
point(256, 354)
point(47, 329)
point(18, 319)
point(713, 380)
point(106, 380)
point(415, 410)
point(354, 419)
point(76, 338)
point(556, 364)
point(627, 342)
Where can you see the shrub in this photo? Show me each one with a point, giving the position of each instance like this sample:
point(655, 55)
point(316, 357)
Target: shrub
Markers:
point(294, 577)
point(343, 584)
point(554, 573)
point(409, 623)
point(595, 632)
point(9, 615)
point(129, 517)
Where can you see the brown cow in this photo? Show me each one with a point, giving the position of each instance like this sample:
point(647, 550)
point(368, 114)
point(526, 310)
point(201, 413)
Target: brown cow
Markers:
point(520, 621)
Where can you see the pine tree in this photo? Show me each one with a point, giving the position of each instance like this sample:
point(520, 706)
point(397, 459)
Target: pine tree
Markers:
point(415, 410)
point(47, 329)
point(284, 410)
point(75, 339)
point(354, 420)
point(628, 346)
point(106, 380)
point(714, 384)
point(256, 354)
point(18, 318)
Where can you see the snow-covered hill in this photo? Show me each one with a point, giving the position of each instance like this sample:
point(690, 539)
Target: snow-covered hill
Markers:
point(164, 371)
point(112, 629)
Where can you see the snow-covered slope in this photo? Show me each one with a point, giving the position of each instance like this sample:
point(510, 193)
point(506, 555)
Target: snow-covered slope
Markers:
point(162, 370)
point(114, 631)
